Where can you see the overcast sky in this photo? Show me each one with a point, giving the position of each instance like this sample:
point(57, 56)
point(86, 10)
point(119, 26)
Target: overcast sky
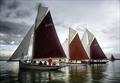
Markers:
point(101, 17)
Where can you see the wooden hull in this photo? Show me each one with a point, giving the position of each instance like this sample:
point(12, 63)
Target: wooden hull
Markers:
point(72, 63)
point(84, 62)
point(29, 66)
point(90, 62)
point(97, 62)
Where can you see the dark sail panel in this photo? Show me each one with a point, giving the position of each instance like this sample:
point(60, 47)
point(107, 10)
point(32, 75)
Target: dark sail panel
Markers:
point(76, 49)
point(46, 42)
point(96, 52)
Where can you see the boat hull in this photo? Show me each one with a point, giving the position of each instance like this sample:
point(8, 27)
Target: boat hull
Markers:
point(29, 66)
point(97, 62)
point(91, 62)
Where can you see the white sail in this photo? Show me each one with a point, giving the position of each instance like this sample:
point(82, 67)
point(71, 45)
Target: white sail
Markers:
point(87, 40)
point(65, 47)
point(72, 34)
point(42, 11)
point(90, 37)
point(23, 48)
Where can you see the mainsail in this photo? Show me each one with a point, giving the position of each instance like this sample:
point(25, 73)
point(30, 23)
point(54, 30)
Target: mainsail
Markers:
point(96, 52)
point(76, 49)
point(23, 48)
point(46, 42)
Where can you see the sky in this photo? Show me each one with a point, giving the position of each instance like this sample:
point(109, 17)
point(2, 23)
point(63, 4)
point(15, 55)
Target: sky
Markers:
point(101, 17)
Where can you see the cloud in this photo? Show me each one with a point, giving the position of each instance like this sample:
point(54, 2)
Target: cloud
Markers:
point(15, 20)
point(10, 32)
point(18, 11)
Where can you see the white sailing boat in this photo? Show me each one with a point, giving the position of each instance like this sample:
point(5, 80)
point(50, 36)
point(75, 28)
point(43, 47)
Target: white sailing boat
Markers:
point(45, 43)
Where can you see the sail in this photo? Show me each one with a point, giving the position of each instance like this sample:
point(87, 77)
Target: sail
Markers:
point(65, 47)
point(46, 42)
point(72, 33)
point(96, 52)
point(87, 40)
point(76, 49)
point(23, 48)
point(90, 37)
point(42, 11)
point(85, 43)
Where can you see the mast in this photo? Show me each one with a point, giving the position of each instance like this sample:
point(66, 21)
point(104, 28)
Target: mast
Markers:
point(46, 42)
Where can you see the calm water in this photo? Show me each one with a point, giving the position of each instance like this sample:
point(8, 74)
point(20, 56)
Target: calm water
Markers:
point(105, 73)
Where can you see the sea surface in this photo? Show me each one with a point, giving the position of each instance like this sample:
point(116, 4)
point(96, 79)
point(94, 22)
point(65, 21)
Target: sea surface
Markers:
point(101, 73)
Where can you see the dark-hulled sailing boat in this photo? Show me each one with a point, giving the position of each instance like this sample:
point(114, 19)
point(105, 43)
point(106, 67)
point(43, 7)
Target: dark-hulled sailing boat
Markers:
point(45, 42)
point(76, 49)
point(112, 58)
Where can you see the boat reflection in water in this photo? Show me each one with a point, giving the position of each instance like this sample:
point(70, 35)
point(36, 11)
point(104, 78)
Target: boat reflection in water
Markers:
point(41, 76)
point(78, 74)
point(98, 73)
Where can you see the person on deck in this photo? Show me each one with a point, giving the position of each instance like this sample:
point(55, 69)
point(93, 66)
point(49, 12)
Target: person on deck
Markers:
point(60, 61)
point(33, 62)
point(50, 61)
point(45, 63)
point(54, 63)
point(40, 63)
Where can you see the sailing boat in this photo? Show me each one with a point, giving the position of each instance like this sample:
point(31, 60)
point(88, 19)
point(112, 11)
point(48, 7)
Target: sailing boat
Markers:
point(93, 49)
point(75, 47)
point(112, 58)
point(45, 43)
